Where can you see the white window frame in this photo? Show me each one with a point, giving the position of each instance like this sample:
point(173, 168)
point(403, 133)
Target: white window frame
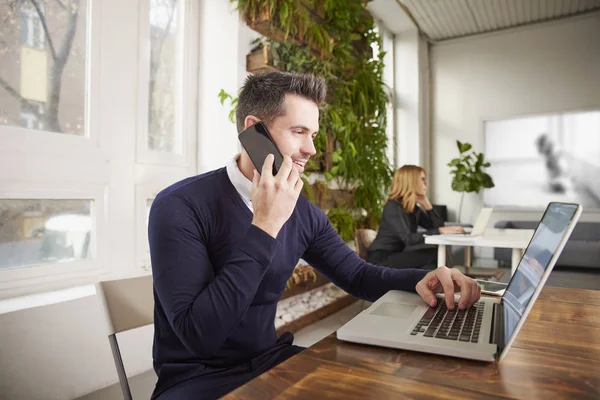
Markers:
point(51, 143)
point(14, 281)
point(31, 149)
point(161, 169)
point(106, 164)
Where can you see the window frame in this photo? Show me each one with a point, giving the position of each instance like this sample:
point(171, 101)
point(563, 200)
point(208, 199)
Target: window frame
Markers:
point(16, 280)
point(105, 164)
point(185, 107)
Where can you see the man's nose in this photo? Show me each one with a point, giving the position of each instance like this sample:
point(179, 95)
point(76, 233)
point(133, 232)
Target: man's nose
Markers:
point(308, 146)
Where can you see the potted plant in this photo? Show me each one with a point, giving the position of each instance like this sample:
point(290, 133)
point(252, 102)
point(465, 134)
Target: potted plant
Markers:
point(467, 173)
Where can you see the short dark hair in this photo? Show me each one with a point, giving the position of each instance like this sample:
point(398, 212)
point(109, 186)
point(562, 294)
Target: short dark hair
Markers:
point(262, 95)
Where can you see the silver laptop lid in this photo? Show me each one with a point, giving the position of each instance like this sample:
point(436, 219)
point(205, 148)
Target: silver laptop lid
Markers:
point(537, 262)
point(482, 221)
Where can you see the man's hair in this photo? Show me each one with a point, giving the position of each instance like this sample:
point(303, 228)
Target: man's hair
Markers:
point(263, 94)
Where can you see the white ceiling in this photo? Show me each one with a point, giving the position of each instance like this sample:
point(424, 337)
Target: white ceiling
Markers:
point(391, 14)
point(446, 19)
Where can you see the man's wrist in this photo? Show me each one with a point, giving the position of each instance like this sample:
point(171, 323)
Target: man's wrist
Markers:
point(271, 229)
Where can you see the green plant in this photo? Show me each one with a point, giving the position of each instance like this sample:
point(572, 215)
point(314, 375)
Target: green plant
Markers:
point(343, 222)
point(290, 20)
point(223, 97)
point(352, 125)
point(467, 172)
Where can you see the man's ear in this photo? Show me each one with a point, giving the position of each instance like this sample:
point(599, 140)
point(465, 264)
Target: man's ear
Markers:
point(250, 120)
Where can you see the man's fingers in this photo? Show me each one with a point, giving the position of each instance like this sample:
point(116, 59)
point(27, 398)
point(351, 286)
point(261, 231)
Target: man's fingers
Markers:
point(294, 176)
point(447, 285)
point(466, 292)
point(286, 169)
point(255, 180)
point(267, 168)
point(298, 186)
point(469, 290)
point(427, 295)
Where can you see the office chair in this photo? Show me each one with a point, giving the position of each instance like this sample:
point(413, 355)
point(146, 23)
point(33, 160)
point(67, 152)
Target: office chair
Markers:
point(362, 240)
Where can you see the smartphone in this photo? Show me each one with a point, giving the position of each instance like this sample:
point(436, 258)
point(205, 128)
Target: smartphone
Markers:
point(258, 143)
point(492, 288)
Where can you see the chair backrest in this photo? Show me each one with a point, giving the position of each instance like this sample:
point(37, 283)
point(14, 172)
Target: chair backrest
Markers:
point(128, 303)
point(363, 239)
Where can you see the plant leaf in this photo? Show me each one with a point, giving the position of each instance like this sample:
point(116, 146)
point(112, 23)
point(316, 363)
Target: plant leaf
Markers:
point(223, 96)
point(464, 147)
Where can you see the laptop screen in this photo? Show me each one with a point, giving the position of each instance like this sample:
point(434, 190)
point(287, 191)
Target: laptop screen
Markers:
point(544, 244)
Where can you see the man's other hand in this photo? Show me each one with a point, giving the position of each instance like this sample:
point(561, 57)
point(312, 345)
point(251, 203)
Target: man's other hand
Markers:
point(448, 281)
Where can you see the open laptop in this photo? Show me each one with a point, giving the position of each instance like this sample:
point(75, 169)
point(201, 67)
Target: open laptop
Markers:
point(486, 330)
point(478, 228)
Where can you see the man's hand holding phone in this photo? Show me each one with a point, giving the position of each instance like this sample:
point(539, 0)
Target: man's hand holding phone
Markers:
point(274, 197)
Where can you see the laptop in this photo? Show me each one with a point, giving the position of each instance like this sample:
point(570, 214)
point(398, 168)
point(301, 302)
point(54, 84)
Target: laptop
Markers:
point(486, 330)
point(478, 228)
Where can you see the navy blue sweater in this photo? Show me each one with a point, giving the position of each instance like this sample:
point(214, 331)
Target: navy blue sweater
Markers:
point(218, 278)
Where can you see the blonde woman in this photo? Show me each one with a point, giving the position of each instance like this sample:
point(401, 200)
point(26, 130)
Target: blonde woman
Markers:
point(407, 208)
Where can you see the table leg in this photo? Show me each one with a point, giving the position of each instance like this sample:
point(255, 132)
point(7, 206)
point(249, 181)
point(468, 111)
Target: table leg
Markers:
point(441, 260)
point(517, 254)
point(468, 252)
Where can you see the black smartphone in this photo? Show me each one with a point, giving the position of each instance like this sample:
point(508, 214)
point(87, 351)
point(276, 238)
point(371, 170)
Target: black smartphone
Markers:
point(258, 143)
point(491, 287)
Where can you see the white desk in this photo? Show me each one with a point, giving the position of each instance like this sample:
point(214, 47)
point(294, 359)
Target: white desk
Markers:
point(515, 239)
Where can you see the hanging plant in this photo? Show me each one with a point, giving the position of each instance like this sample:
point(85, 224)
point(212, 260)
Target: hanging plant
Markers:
point(335, 39)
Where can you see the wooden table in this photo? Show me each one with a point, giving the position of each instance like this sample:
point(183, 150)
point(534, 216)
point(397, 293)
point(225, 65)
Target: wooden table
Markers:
point(556, 355)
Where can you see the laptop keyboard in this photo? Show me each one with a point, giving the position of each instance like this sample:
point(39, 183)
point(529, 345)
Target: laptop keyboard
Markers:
point(455, 324)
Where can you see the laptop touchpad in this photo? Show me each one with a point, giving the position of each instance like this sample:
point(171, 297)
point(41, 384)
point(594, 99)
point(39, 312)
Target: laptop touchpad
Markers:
point(394, 310)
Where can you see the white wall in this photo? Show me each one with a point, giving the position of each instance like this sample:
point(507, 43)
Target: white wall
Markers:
point(60, 351)
point(537, 69)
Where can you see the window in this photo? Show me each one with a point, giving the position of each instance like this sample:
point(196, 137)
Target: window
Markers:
point(44, 63)
point(34, 232)
point(387, 41)
point(167, 77)
point(77, 169)
point(164, 128)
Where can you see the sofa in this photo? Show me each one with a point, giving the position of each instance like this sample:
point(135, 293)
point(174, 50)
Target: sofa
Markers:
point(581, 250)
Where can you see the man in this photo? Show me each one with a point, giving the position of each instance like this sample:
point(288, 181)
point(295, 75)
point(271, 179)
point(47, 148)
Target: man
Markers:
point(223, 245)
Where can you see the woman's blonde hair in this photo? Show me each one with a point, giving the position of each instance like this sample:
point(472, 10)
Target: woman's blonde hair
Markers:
point(404, 184)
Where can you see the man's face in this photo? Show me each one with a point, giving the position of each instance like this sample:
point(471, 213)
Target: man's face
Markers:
point(295, 131)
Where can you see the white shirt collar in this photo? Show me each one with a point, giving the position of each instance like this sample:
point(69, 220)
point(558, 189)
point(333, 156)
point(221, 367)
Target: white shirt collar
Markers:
point(239, 181)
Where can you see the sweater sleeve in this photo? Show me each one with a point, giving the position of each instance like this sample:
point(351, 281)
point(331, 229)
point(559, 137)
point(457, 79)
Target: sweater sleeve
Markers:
point(202, 306)
point(430, 220)
point(328, 254)
point(398, 221)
